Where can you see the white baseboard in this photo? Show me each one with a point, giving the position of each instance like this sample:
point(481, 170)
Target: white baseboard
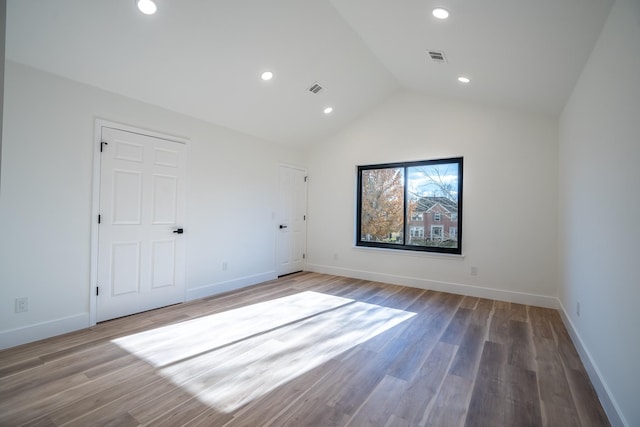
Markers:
point(39, 331)
point(27, 334)
point(616, 418)
point(230, 285)
point(454, 288)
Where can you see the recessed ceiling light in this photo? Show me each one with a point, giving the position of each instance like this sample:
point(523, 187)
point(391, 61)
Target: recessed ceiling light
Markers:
point(328, 110)
point(267, 75)
point(440, 13)
point(463, 79)
point(148, 7)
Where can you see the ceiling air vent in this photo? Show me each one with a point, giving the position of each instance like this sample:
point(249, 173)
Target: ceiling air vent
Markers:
point(315, 88)
point(437, 56)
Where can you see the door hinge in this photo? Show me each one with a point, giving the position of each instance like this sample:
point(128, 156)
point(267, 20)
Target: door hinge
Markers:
point(304, 256)
point(103, 143)
point(304, 217)
point(97, 290)
point(306, 178)
point(98, 218)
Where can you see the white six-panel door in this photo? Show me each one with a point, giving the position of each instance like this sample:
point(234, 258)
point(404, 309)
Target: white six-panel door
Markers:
point(292, 230)
point(141, 254)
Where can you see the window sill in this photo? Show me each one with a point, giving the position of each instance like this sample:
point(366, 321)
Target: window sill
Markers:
point(415, 254)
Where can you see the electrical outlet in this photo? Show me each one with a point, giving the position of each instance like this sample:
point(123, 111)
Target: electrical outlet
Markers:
point(22, 305)
point(473, 270)
point(225, 266)
point(578, 308)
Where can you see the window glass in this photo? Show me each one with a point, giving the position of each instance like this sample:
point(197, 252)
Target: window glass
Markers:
point(397, 200)
point(382, 205)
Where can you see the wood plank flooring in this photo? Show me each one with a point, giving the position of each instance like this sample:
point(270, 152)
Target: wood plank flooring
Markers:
point(307, 350)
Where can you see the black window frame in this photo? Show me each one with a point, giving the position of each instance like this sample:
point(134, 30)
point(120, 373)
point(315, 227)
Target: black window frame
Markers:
point(404, 247)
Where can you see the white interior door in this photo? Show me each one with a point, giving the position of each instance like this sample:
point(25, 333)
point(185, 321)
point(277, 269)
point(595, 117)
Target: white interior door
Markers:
point(292, 215)
point(141, 248)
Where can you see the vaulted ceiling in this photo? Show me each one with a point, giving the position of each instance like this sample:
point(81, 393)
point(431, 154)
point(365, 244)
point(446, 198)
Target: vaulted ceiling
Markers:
point(204, 58)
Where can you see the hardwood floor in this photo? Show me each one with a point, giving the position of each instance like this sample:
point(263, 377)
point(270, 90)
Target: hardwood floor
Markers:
point(307, 350)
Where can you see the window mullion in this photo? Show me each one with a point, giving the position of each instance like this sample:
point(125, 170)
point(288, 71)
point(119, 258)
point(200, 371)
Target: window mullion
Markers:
point(405, 203)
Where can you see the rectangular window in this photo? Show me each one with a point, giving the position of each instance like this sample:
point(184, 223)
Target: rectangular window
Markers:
point(390, 196)
point(417, 231)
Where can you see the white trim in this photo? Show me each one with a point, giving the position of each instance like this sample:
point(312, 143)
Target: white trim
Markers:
point(230, 285)
point(438, 204)
point(292, 166)
point(39, 331)
point(611, 407)
point(95, 211)
point(408, 252)
point(95, 202)
point(454, 288)
point(133, 129)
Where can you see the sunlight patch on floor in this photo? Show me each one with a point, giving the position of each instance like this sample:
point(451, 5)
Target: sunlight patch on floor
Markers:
point(229, 359)
point(168, 344)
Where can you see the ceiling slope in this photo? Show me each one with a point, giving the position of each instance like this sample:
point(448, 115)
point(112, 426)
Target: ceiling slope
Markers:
point(203, 58)
point(520, 54)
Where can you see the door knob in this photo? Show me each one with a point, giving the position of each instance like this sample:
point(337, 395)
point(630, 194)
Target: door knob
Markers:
point(179, 231)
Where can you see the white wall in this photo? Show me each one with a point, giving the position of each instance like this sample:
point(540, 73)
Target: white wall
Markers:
point(3, 25)
point(510, 197)
point(600, 213)
point(45, 204)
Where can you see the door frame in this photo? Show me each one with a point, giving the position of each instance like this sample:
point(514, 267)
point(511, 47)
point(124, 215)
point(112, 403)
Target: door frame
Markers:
point(95, 201)
point(277, 212)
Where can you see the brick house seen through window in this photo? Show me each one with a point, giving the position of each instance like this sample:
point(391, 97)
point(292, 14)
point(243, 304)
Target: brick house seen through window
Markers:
point(437, 217)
